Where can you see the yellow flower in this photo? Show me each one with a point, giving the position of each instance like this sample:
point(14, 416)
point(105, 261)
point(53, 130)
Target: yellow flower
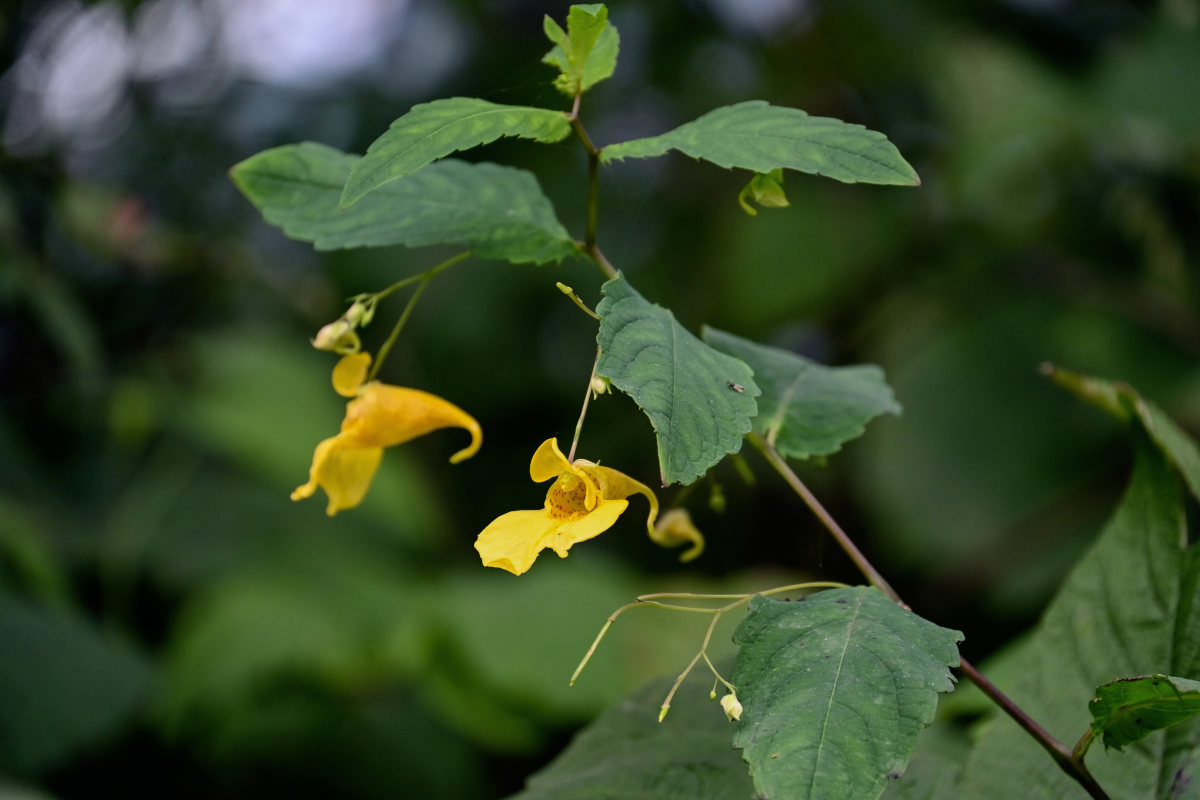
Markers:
point(584, 501)
point(379, 416)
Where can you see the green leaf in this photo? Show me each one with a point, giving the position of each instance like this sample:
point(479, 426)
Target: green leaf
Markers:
point(808, 409)
point(64, 688)
point(433, 130)
point(1118, 613)
point(324, 613)
point(835, 689)
point(1130, 709)
point(935, 766)
point(1123, 401)
point(699, 400)
point(760, 137)
point(499, 212)
point(627, 754)
point(586, 53)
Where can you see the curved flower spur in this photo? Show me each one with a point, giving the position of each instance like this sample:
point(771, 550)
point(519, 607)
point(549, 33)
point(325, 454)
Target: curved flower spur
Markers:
point(379, 415)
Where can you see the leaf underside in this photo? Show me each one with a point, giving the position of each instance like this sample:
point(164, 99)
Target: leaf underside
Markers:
point(757, 136)
point(835, 689)
point(432, 130)
point(700, 401)
point(1124, 402)
point(808, 409)
point(1125, 609)
point(498, 212)
point(1131, 709)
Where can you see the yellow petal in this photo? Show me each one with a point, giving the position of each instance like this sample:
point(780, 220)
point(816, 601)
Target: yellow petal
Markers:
point(676, 528)
point(548, 462)
point(383, 416)
point(344, 472)
point(513, 540)
point(350, 372)
point(594, 523)
point(617, 485)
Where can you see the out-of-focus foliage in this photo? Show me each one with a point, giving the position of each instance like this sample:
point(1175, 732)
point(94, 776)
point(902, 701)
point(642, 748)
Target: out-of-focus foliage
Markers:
point(169, 620)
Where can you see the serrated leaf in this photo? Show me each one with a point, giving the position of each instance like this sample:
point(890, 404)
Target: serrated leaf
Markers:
point(761, 137)
point(498, 212)
point(433, 130)
point(1119, 612)
point(935, 766)
point(808, 409)
point(1123, 402)
point(835, 689)
point(586, 53)
point(626, 754)
point(700, 401)
point(1130, 709)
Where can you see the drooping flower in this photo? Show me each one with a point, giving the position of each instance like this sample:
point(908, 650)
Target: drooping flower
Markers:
point(584, 501)
point(676, 528)
point(378, 416)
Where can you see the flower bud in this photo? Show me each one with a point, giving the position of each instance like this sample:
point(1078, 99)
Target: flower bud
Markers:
point(338, 337)
point(360, 313)
point(733, 709)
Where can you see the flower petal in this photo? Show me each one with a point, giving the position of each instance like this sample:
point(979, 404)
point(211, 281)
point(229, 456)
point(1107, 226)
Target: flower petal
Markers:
point(383, 416)
point(548, 462)
point(513, 540)
point(350, 372)
point(594, 523)
point(617, 485)
point(344, 472)
point(676, 528)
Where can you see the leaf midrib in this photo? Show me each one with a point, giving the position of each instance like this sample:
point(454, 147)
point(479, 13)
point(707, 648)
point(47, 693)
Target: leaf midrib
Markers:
point(784, 399)
point(458, 121)
point(833, 692)
point(421, 201)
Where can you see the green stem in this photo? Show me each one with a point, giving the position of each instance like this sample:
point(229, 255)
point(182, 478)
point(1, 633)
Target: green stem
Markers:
point(843, 539)
point(593, 195)
point(1066, 759)
point(1061, 754)
point(666, 704)
point(424, 278)
point(583, 411)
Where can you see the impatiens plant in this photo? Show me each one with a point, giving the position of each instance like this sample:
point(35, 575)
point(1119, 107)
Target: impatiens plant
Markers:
point(832, 684)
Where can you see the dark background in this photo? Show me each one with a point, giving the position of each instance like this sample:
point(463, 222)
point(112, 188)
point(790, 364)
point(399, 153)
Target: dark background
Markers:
point(171, 625)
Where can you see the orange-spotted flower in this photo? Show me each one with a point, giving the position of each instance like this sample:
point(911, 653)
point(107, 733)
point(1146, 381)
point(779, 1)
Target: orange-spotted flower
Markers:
point(584, 501)
point(379, 416)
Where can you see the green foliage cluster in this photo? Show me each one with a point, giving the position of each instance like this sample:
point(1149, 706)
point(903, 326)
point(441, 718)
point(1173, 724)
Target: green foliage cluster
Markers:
point(834, 691)
point(293, 650)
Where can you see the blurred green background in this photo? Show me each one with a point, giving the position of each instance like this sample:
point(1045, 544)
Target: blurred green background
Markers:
point(171, 625)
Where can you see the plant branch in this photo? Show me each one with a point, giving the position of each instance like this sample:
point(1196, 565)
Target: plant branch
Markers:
point(593, 196)
point(1061, 754)
point(843, 539)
